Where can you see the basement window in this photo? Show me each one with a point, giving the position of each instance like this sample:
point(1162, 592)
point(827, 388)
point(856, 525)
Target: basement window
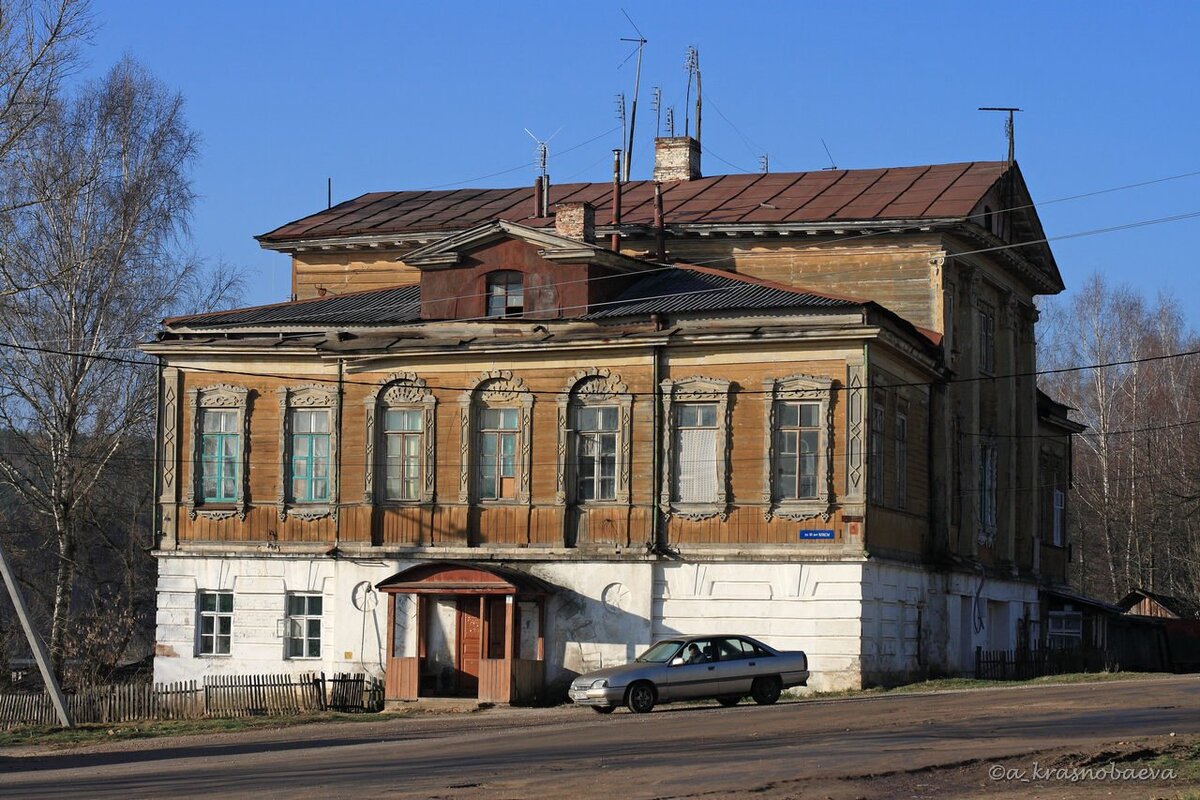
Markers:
point(505, 294)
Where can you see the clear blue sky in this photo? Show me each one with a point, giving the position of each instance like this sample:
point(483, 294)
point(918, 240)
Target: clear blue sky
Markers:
point(390, 95)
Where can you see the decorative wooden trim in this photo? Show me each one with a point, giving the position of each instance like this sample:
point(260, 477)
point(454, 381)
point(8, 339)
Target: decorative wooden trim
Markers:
point(594, 386)
point(494, 388)
point(688, 390)
point(169, 462)
point(400, 390)
point(223, 396)
point(309, 395)
point(856, 428)
point(798, 387)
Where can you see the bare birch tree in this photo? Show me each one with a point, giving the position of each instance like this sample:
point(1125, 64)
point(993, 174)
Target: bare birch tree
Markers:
point(1135, 475)
point(99, 250)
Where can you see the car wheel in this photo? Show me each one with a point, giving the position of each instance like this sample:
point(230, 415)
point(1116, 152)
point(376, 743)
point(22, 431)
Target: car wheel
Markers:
point(729, 700)
point(765, 691)
point(640, 698)
point(604, 709)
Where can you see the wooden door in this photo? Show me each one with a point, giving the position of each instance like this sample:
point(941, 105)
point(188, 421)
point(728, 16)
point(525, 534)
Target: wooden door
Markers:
point(469, 630)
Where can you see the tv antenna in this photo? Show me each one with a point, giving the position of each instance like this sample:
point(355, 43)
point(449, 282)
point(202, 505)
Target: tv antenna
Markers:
point(832, 164)
point(1009, 129)
point(670, 120)
point(619, 104)
point(640, 41)
point(764, 163)
point(692, 65)
point(542, 152)
point(656, 105)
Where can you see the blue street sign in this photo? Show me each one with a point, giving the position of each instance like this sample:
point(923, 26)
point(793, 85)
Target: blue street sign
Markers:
point(816, 534)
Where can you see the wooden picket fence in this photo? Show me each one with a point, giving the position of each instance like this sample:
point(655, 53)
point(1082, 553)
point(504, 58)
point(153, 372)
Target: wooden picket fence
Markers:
point(216, 696)
point(1024, 664)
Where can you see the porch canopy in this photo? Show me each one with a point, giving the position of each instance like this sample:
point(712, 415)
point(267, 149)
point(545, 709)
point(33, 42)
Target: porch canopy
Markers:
point(449, 577)
point(479, 632)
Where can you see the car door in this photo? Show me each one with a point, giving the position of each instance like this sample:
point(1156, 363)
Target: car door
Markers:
point(694, 672)
point(736, 665)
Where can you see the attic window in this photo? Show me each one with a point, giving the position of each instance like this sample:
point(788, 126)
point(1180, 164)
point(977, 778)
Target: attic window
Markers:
point(505, 294)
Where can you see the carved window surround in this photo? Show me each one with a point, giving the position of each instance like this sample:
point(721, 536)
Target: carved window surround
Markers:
point(494, 389)
point(798, 388)
point(694, 389)
point(400, 390)
point(594, 387)
point(224, 397)
point(307, 396)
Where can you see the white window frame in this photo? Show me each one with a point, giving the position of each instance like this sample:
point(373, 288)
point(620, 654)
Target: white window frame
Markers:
point(219, 397)
point(399, 391)
point(216, 616)
point(593, 387)
point(308, 397)
point(294, 622)
point(797, 388)
point(695, 389)
point(495, 389)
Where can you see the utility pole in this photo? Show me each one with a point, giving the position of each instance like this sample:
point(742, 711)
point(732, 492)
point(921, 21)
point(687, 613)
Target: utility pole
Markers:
point(35, 642)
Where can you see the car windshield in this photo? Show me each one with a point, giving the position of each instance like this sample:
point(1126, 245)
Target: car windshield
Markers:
point(660, 652)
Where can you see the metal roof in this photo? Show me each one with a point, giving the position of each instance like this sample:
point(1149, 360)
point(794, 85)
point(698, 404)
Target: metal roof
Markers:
point(694, 289)
point(668, 290)
point(898, 193)
point(394, 306)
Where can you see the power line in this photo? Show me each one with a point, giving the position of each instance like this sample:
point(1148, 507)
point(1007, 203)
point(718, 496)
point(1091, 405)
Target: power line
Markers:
point(653, 393)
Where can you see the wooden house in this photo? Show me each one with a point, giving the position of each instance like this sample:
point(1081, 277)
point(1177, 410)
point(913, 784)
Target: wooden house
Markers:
point(498, 437)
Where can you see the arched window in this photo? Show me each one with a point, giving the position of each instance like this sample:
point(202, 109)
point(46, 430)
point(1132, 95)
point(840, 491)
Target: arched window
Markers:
point(505, 294)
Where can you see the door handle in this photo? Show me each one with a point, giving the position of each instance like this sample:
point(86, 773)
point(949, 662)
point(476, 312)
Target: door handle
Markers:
point(710, 669)
point(752, 663)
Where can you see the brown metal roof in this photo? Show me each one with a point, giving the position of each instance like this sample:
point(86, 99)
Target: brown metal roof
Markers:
point(903, 193)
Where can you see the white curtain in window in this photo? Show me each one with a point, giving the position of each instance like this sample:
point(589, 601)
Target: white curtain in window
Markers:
point(696, 460)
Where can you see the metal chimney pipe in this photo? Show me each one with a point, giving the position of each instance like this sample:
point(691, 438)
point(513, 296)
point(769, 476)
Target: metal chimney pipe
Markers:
point(615, 242)
point(537, 196)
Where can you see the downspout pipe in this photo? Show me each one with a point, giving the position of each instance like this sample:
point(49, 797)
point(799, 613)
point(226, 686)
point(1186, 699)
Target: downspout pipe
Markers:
point(657, 537)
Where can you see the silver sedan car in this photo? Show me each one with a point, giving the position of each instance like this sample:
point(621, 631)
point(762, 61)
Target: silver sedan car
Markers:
point(727, 668)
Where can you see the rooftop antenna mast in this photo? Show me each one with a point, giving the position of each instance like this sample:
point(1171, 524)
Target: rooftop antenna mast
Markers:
point(692, 64)
point(1009, 130)
point(656, 104)
point(542, 156)
point(619, 102)
point(764, 163)
point(670, 121)
point(637, 80)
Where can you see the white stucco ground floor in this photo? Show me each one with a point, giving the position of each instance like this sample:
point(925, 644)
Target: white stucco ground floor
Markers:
point(862, 622)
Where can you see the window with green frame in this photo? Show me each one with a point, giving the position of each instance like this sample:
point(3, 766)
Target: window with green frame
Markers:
point(310, 455)
point(219, 440)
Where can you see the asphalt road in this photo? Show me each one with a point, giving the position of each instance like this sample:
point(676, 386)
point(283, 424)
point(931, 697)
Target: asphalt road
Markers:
point(572, 752)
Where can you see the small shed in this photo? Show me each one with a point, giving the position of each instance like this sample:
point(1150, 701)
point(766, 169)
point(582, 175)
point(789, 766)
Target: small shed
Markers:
point(465, 629)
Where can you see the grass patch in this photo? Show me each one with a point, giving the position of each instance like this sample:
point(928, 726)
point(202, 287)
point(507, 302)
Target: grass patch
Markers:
point(93, 733)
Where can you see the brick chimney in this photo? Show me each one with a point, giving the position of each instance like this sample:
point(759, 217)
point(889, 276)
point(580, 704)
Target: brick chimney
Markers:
point(676, 158)
point(576, 221)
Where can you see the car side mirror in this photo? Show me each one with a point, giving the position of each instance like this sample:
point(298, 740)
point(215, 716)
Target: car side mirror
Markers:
point(677, 662)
